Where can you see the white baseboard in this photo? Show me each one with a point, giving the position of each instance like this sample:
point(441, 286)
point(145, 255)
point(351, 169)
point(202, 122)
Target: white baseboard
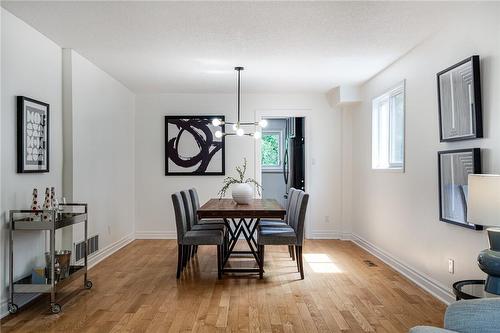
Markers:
point(155, 235)
point(105, 252)
point(93, 260)
point(425, 282)
point(329, 235)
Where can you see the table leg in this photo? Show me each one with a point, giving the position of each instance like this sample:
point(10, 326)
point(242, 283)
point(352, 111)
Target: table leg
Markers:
point(247, 228)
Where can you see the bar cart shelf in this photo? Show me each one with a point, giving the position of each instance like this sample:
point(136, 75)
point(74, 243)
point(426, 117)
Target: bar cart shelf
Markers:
point(24, 220)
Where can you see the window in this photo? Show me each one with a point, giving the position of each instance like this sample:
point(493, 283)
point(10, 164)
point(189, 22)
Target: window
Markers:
point(272, 145)
point(388, 123)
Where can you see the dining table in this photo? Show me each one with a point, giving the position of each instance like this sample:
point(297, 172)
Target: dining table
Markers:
point(241, 220)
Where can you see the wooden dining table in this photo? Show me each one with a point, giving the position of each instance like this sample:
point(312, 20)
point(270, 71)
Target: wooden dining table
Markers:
point(241, 220)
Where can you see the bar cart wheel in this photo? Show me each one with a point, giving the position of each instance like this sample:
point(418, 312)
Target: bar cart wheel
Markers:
point(88, 284)
point(55, 308)
point(13, 308)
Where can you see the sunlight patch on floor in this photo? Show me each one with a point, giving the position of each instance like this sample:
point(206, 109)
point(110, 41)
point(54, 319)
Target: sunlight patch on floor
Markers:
point(321, 263)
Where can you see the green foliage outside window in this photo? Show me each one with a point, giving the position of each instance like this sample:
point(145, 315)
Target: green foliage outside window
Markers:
point(270, 150)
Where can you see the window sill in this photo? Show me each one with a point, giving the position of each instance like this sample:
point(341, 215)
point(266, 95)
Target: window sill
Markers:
point(390, 170)
point(272, 170)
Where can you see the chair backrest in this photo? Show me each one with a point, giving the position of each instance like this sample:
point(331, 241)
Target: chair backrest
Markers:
point(292, 207)
point(180, 216)
point(188, 208)
point(298, 215)
point(195, 200)
point(288, 201)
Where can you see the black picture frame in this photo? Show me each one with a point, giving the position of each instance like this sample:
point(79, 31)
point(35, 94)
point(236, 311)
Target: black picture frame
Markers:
point(207, 120)
point(459, 192)
point(470, 71)
point(30, 114)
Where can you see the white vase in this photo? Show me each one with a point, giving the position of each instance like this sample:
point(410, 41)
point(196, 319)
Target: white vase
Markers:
point(242, 193)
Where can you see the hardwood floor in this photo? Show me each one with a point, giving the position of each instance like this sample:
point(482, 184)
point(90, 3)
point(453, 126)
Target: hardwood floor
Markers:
point(135, 290)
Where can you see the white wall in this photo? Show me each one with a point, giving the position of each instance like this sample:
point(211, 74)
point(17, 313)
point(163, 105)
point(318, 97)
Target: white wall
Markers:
point(31, 66)
point(154, 213)
point(398, 212)
point(99, 164)
point(99, 112)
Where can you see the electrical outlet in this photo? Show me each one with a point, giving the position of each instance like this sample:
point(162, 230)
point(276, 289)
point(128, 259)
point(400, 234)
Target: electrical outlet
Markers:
point(451, 266)
point(327, 219)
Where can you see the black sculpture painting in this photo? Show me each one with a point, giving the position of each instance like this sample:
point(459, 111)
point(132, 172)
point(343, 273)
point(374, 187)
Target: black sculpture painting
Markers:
point(191, 147)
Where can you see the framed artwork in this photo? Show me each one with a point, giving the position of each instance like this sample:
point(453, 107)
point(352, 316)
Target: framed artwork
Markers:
point(454, 167)
point(459, 98)
point(191, 147)
point(32, 135)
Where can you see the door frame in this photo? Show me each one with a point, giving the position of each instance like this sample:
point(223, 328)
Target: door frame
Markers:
point(287, 113)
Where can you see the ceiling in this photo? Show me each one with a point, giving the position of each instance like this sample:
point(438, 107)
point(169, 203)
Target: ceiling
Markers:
point(192, 47)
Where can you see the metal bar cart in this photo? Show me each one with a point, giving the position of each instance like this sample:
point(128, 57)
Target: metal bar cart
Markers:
point(25, 220)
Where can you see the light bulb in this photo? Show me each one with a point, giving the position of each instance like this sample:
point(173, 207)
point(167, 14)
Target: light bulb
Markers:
point(216, 122)
point(257, 135)
point(235, 127)
point(263, 123)
point(240, 131)
point(218, 134)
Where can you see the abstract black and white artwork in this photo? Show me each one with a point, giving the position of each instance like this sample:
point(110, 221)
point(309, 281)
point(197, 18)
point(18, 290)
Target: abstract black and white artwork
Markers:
point(32, 135)
point(454, 168)
point(459, 95)
point(191, 147)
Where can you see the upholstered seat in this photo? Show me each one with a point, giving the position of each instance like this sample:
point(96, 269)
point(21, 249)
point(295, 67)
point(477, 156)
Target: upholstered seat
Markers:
point(277, 236)
point(210, 221)
point(272, 224)
point(215, 226)
point(204, 237)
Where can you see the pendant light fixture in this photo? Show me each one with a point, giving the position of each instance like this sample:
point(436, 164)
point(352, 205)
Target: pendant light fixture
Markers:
point(237, 127)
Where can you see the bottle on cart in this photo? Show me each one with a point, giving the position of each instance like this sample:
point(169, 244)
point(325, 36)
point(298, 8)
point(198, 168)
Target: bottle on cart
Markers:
point(35, 205)
point(53, 199)
point(47, 205)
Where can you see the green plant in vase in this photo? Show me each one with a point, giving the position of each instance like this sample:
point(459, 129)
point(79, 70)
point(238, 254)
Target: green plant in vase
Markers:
point(241, 188)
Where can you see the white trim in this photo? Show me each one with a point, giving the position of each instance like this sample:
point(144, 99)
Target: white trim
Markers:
point(93, 260)
point(103, 253)
point(155, 235)
point(422, 280)
point(329, 235)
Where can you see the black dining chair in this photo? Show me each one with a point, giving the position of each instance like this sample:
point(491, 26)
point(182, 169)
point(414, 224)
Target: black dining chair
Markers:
point(292, 235)
point(282, 223)
point(207, 223)
point(188, 238)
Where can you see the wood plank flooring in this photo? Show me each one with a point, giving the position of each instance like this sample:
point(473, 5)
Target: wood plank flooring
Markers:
point(135, 290)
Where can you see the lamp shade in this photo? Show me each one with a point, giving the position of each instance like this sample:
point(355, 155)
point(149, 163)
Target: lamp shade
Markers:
point(484, 200)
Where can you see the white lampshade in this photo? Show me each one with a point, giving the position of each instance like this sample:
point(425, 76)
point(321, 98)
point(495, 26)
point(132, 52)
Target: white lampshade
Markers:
point(484, 200)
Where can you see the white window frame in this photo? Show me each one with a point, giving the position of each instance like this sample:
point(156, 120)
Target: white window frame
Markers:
point(281, 151)
point(376, 102)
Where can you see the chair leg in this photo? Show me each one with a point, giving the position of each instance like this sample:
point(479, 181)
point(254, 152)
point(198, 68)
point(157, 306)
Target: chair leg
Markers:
point(261, 261)
point(300, 263)
point(291, 251)
point(179, 260)
point(196, 249)
point(185, 255)
point(296, 250)
point(219, 262)
point(193, 249)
